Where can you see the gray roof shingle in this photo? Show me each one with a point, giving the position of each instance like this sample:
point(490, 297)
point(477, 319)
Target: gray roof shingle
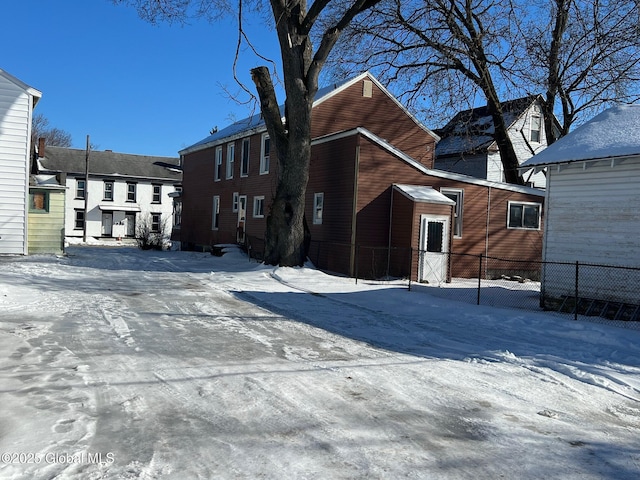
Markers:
point(72, 161)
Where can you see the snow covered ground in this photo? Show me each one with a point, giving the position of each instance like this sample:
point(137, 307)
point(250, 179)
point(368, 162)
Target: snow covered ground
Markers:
point(122, 364)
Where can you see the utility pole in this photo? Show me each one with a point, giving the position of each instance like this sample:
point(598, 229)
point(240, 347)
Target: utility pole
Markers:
point(86, 191)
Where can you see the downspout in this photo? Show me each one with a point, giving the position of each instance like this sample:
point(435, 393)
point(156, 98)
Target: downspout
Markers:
point(486, 240)
point(354, 212)
point(390, 223)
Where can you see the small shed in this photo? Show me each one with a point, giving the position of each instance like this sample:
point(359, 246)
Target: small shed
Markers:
point(46, 215)
point(593, 210)
point(422, 218)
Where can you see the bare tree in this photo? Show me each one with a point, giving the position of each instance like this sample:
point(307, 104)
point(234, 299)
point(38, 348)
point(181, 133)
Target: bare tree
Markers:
point(53, 136)
point(296, 24)
point(581, 53)
point(454, 47)
point(584, 54)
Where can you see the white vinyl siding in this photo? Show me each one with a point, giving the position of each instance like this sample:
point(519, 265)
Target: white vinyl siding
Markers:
point(15, 130)
point(592, 216)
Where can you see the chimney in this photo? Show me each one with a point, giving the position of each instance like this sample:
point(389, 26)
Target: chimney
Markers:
point(41, 141)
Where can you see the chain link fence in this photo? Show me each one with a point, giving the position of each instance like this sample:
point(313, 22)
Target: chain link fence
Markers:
point(595, 292)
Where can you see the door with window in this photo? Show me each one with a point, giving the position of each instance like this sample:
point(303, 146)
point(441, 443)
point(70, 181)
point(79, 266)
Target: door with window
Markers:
point(130, 224)
point(434, 249)
point(242, 218)
point(107, 224)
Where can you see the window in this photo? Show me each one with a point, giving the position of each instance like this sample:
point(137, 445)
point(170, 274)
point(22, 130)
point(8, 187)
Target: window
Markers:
point(79, 220)
point(156, 223)
point(217, 173)
point(258, 207)
point(39, 202)
point(536, 124)
point(80, 188)
point(456, 196)
point(231, 154)
point(131, 191)
point(265, 153)
point(524, 215)
point(318, 207)
point(157, 193)
point(244, 164)
point(234, 201)
point(108, 191)
point(215, 217)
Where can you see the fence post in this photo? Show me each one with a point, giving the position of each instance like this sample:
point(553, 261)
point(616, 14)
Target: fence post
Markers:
point(479, 279)
point(575, 309)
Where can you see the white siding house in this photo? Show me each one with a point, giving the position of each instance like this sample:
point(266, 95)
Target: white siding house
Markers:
point(17, 101)
point(593, 208)
point(467, 145)
point(123, 192)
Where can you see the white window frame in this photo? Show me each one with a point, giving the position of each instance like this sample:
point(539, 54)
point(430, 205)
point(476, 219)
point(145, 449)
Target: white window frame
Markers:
point(318, 208)
point(234, 202)
point(215, 215)
point(78, 219)
point(265, 157)
point(132, 191)
point(81, 191)
point(536, 113)
point(217, 164)
point(524, 204)
point(107, 193)
point(458, 210)
point(231, 159)
point(244, 159)
point(156, 197)
point(258, 206)
point(156, 225)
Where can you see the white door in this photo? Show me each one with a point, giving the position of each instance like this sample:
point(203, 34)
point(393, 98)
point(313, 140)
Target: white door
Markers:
point(107, 224)
point(434, 249)
point(130, 224)
point(242, 218)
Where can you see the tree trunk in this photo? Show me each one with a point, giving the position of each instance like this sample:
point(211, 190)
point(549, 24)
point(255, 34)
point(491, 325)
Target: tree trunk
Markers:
point(508, 155)
point(287, 231)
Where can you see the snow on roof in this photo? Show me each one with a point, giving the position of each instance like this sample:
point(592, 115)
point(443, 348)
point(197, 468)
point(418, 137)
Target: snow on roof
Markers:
point(255, 123)
point(421, 193)
point(613, 133)
point(471, 131)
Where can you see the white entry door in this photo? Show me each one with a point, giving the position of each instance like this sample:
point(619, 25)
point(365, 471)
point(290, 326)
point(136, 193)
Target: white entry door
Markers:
point(242, 218)
point(434, 249)
point(130, 224)
point(107, 224)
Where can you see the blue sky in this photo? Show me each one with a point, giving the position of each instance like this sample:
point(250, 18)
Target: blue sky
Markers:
point(131, 86)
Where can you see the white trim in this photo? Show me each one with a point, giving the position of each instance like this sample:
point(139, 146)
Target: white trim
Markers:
point(265, 159)
point(257, 198)
point(317, 219)
point(515, 202)
point(414, 163)
point(231, 160)
point(215, 213)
